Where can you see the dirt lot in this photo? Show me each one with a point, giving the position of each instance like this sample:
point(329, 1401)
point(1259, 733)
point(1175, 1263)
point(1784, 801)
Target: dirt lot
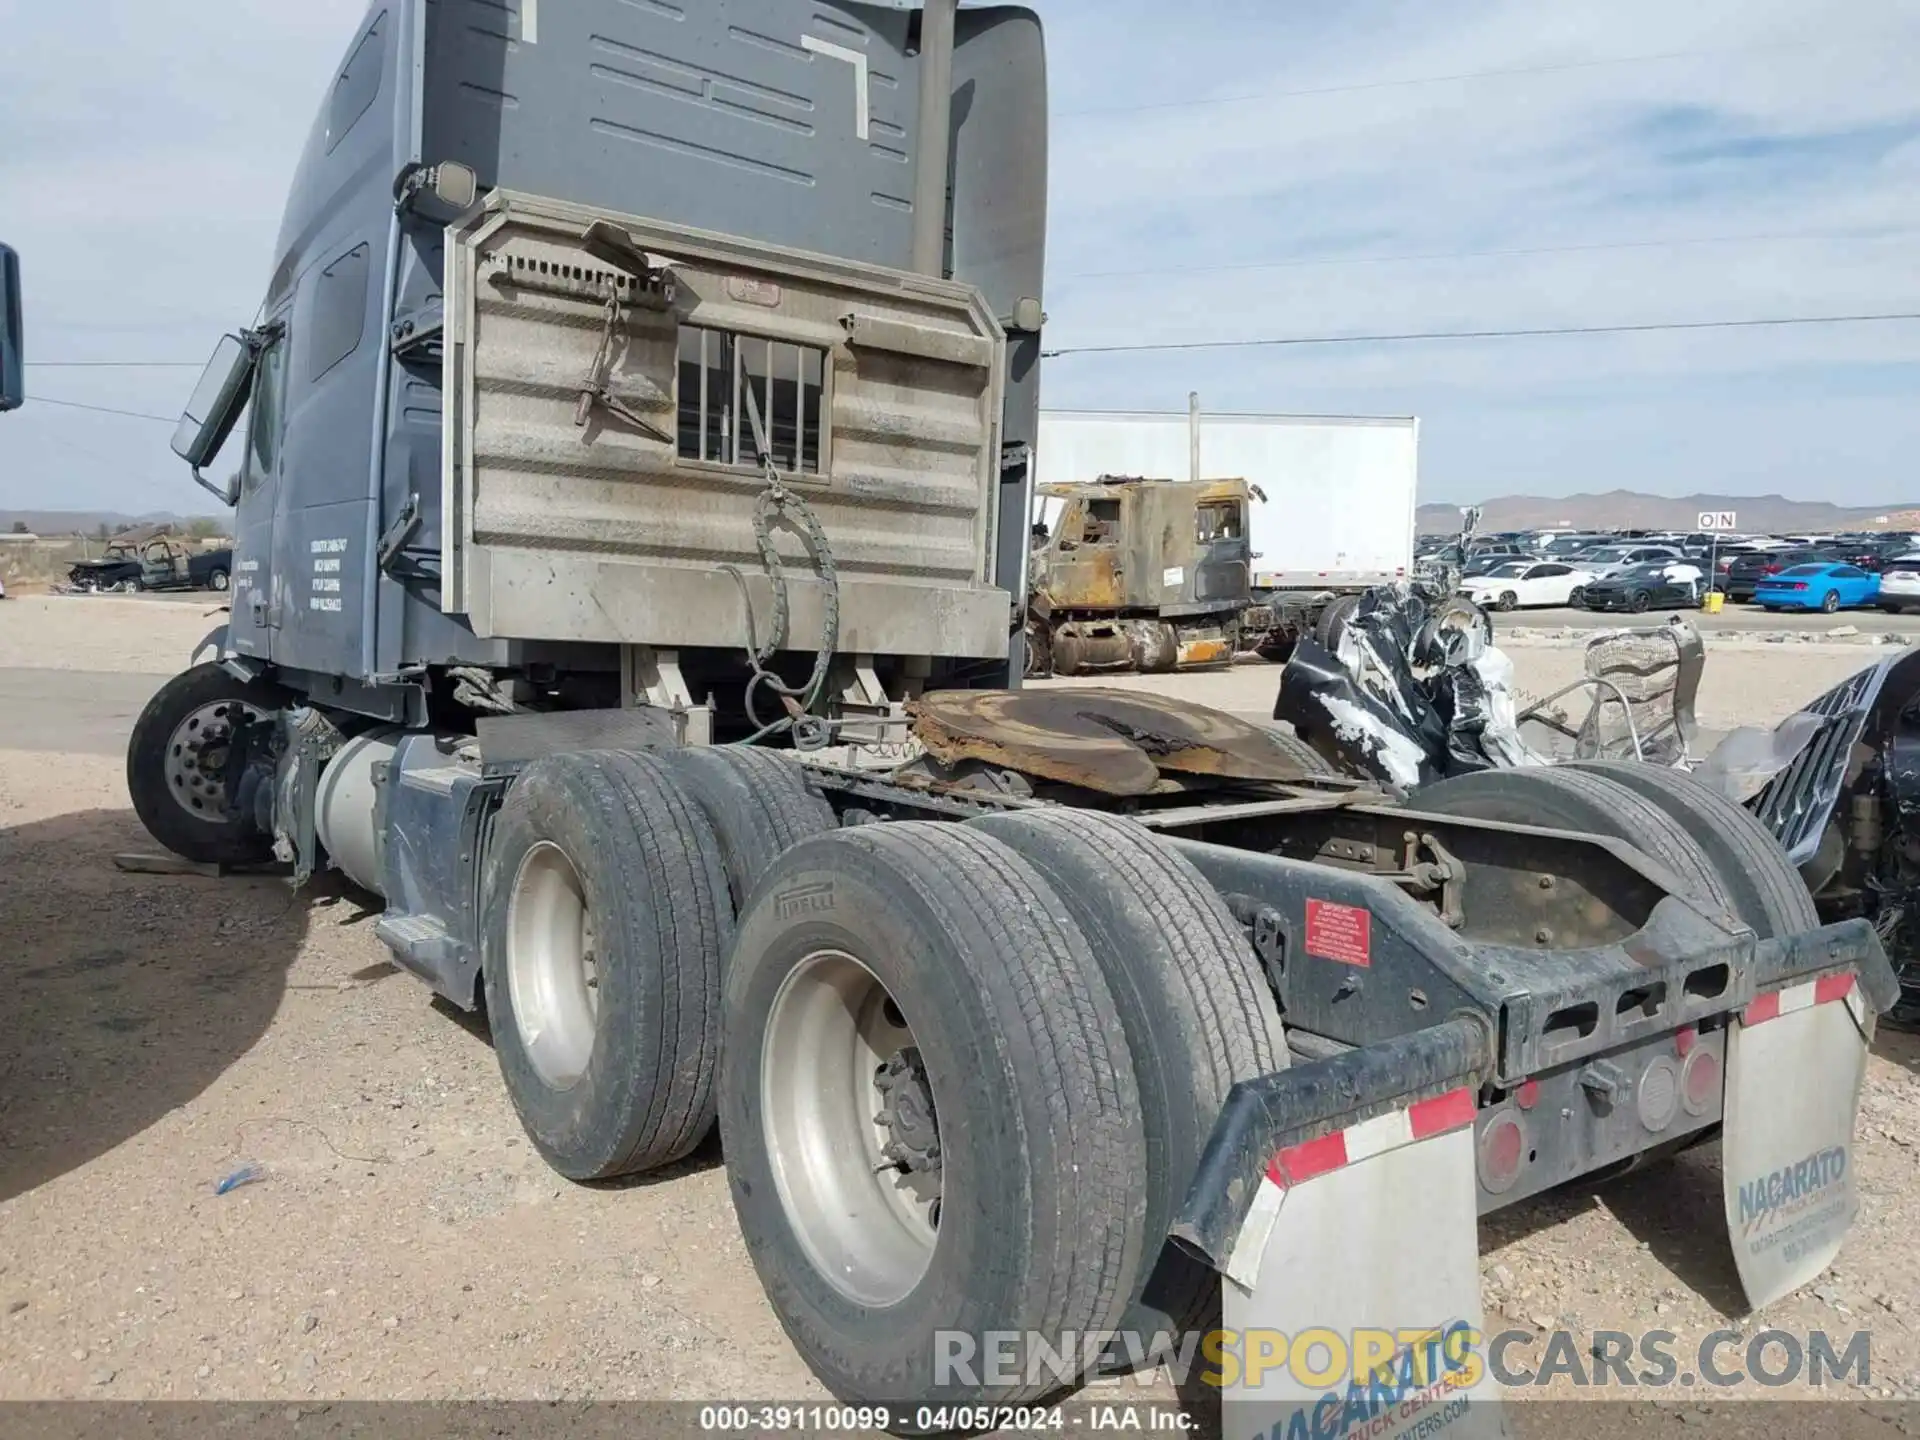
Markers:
point(405, 1242)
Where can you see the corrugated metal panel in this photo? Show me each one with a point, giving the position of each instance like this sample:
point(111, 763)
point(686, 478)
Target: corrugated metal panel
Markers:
point(616, 529)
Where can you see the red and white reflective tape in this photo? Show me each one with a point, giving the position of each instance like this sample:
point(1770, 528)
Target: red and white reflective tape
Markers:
point(1295, 1165)
point(1804, 996)
point(1420, 1121)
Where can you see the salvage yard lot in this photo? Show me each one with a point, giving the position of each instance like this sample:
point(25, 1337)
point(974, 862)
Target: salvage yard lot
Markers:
point(406, 1242)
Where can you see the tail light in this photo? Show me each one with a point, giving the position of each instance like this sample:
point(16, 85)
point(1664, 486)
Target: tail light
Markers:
point(1775, 570)
point(1794, 585)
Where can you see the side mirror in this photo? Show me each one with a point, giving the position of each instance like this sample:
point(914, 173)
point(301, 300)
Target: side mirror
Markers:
point(13, 382)
point(215, 407)
point(455, 184)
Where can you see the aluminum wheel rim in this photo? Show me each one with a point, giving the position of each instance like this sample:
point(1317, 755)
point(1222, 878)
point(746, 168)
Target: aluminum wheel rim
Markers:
point(196, 762)
point(553, 975)
point(868, 1226)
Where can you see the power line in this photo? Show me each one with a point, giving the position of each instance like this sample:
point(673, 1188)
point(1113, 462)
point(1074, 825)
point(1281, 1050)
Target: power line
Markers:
point(1336, 260)
point(1474, 334)
point(115, 364)
point(1557, 69)
point(103, 410)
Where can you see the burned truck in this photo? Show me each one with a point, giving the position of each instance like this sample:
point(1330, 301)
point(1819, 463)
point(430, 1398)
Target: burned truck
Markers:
point(1138, 574)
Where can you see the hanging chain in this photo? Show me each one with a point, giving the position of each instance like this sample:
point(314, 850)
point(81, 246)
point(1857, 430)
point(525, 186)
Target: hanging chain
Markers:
point(810, 732)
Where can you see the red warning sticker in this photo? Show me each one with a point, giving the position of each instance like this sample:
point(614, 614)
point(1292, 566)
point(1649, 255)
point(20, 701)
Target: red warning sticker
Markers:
point(1339, 932)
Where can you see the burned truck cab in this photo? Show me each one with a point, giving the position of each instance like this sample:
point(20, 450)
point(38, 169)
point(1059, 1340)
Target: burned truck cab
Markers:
point(1139, 574)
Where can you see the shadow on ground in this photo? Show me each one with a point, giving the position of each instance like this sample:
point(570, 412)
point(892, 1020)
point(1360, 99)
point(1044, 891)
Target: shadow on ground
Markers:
point(1672, 1204)
point(126, 995)
point(1899, 1046)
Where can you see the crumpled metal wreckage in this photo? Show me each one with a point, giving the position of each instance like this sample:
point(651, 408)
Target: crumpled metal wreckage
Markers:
point(1415, 692)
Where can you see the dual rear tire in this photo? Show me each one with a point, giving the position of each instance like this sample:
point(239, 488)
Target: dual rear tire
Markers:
point(1072, 1003)
point(963, 1073)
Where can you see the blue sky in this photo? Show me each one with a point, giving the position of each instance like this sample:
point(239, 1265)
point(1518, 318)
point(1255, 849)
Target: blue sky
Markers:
point(1222, 169)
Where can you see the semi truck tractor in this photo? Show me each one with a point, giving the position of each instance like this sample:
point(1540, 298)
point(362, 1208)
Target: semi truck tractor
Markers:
point(629, 577)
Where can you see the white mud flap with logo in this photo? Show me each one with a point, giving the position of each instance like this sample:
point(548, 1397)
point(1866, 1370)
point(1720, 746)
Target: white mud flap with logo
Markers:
point(1352, 1295)
point(1795, 1060)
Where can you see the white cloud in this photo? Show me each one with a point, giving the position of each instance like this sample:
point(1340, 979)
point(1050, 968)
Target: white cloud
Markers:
point(1799, 124)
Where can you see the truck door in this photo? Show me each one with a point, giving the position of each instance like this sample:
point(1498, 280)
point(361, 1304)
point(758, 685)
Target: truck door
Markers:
point(1084, 570)
point(256, 606)
point(1221, 551)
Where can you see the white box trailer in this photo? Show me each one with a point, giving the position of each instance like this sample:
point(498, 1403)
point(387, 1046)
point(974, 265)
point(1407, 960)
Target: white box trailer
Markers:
point(1340, 490)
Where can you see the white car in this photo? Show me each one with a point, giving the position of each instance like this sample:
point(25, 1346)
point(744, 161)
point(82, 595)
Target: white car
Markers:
point(1526, 582)
point(1900, 584)
point(1606, 561)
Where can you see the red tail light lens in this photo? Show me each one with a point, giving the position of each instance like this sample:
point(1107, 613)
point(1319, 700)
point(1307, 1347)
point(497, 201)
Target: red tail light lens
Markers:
point(1772, 570)
point(1796, 585)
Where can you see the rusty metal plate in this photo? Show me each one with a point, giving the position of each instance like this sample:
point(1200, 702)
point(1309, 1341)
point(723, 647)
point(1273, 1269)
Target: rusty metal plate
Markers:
point(1115, 741)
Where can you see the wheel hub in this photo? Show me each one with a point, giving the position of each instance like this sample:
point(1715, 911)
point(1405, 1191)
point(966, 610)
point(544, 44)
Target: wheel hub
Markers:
point(907, 1113)
point(851, 1129)
point(197, 756)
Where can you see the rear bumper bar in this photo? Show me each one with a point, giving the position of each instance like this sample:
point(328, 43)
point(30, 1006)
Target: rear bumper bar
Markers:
point(1474, 1052)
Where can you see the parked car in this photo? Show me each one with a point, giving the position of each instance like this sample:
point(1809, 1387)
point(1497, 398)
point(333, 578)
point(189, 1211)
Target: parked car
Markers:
point(1825, 587)
point(1488, 561)
point(1565, 547)
point(1747, 571)
point(1642, 587)
point(1607, 560)
point(1525, 582)
point(1900, 584)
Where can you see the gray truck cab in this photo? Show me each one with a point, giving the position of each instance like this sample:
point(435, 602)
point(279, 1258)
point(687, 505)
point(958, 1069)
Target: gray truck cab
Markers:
point(796, 125)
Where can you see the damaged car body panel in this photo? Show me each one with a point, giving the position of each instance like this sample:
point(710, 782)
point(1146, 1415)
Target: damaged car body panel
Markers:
point(1847, 810)
point(1415, 692)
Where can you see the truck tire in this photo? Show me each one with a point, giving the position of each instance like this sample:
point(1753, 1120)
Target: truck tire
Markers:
point(1767, 890)
point(177, 759)
point(604, 922)
point(1309, 759)
point(1566, 799)
point(217, 579)
point(1333, 621)
point(921, 974)
point(1068, 654)
point(757, 801)
point(1194, 1005)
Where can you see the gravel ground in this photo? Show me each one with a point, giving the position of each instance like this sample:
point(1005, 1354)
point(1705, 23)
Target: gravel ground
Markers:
point(405, 1242)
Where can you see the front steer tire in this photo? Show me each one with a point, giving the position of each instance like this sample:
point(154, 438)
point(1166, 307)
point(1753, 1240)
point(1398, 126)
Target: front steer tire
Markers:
point(193, 821)
point(647, 870)
point(1026, 1071)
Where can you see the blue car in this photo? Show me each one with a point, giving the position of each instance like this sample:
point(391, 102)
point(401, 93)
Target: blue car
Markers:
point(1817, 587)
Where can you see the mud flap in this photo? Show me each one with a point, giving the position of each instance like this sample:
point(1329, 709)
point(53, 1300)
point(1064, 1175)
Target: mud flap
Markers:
point(1795, 1062)
point(1352, 1290)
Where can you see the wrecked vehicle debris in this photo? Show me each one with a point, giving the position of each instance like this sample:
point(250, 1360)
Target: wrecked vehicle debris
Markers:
point(1413, 690)
point(1846, 808)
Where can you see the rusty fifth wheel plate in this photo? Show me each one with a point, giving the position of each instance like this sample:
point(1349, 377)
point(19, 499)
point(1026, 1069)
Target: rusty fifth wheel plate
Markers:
point(1114, 741)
